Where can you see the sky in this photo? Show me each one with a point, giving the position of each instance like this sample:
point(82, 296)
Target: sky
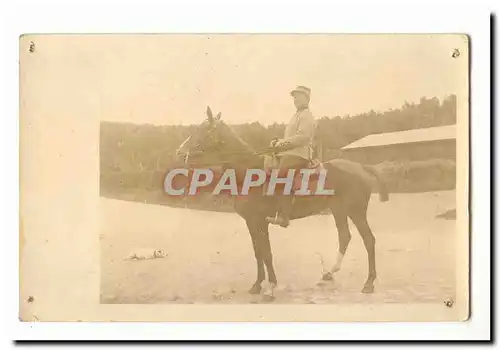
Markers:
point(170, 79)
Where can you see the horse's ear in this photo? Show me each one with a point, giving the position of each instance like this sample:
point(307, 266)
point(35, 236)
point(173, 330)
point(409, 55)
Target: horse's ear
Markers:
point(210, 116)
point(217, 117)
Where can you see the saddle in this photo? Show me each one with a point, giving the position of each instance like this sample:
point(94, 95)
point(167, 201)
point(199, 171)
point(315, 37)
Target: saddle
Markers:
point(314, 164)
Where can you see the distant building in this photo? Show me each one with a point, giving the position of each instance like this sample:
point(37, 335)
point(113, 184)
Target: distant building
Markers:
point(417, 144)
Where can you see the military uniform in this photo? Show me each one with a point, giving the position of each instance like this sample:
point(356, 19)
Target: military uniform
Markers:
point(297, 141)
point(299, 133)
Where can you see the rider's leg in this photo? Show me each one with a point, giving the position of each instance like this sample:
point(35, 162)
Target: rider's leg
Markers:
point(286, 201)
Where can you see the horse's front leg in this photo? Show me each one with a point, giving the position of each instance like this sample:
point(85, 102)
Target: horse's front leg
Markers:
point(267, 255)
point(261, 275)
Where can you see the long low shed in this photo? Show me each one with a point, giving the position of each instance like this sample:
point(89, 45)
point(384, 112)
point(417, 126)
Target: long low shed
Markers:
point(409, 145)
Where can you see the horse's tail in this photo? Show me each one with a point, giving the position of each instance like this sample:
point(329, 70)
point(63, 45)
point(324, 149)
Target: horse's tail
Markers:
point(383, 192)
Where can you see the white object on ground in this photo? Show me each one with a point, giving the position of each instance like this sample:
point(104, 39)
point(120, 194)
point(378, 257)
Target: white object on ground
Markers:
point(145, 254)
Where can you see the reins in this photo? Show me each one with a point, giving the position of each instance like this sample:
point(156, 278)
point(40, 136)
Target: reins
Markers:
point(267, 151)
point(272, 151)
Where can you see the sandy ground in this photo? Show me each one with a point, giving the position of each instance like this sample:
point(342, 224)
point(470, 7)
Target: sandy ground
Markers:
point(210, 257)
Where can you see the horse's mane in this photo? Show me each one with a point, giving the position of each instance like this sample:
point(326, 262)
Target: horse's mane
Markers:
point(237, 137)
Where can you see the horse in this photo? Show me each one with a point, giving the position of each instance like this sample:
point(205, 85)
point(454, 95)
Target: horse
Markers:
point(216, 143)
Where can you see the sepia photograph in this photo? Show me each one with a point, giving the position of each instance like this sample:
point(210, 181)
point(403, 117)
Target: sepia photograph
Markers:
point(188, 146)
point(213, 171)
point(273, 177)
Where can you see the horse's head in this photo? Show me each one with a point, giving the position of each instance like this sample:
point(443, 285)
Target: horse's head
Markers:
point(211, 141)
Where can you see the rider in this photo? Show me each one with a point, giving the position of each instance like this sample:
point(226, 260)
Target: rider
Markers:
point(297, 141)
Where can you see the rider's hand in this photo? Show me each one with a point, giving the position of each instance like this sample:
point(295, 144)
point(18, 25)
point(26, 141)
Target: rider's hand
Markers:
point(281, 143)
point(274, 142)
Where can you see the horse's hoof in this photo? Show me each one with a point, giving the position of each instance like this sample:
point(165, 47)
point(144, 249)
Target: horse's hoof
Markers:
point(255, 289)
point(327, 276)
point(368, 289)
point(268, 298)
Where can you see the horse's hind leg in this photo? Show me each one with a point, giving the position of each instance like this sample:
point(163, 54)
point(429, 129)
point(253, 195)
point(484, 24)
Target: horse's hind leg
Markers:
point(344, 239)
point(363, 227)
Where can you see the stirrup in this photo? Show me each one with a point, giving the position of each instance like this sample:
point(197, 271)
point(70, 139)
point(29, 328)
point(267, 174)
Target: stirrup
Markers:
point(276, 220)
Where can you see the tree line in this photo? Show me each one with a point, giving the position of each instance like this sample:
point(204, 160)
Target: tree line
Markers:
point(126, 147)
